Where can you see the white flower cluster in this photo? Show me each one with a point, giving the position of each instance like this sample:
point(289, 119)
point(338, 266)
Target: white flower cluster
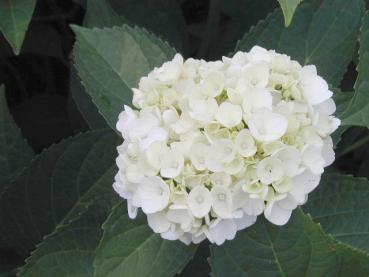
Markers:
point(212, 145)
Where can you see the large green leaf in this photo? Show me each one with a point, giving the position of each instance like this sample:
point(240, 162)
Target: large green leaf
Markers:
point(357, 112)
point(340, 204)
point(341, 99)
point(226, 24)
point(130, 248)
point(70, 250)
point(323, 34)
point(337, 135)
point(288, 8)
point(15, 153)
point(84, 103)
point(111, 61)
point(57, 188)
point(363, 169)
point(15, 16)
point(353, 142)
point(163, 18)
point(99, 13)
point(198, 266)
point(299, 248)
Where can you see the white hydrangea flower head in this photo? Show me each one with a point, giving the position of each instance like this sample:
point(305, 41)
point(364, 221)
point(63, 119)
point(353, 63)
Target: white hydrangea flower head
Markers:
point(212, 145)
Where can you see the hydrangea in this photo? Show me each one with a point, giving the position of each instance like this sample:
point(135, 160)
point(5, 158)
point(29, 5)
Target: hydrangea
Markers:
point(212, 145)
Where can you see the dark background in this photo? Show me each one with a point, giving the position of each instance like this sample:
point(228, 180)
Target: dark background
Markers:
point(38, 80)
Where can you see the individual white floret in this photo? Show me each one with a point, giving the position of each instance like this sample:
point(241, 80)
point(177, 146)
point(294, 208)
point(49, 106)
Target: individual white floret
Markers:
point(278, 211)
point(313, 159)
point(290, 158)
point(220, 179)
point(255, 99)
point(198, 154)
point(315, 88)
point(221, 230)
point(270, 170)
point(158, 222)
point(229, 115)
point(199, 201)
point(267, 126)
point(203, 110)
point(221, 201)
point(171, 164)
point(154, 194)
point(170, 71)
point(245, 143)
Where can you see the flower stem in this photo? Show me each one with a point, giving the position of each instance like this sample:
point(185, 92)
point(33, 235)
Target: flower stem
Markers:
point(354, 146)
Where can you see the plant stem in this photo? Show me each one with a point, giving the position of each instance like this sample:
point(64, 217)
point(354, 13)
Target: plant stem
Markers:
point(354, 146)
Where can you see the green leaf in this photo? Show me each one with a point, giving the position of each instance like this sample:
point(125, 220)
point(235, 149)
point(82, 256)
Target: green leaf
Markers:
point(340, 204)
point(99, 13)
point(84, 103)
point(323, 34)
point(357, 112)
point(15, 16)
point(58, 186)
point(70, 249)
point(163, 18)
point(76, 120)
point(341, 99)
point(15, 154)
point(288, 9)
point(363, 169)
point(111, 61)
point(130, 248)
point(198, 266)
point(299, 248)
point(337, 135)
point(226, 24)
point(355, 140)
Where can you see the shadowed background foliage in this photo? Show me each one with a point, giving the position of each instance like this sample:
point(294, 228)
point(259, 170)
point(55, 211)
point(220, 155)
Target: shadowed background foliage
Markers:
point(39, 80)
